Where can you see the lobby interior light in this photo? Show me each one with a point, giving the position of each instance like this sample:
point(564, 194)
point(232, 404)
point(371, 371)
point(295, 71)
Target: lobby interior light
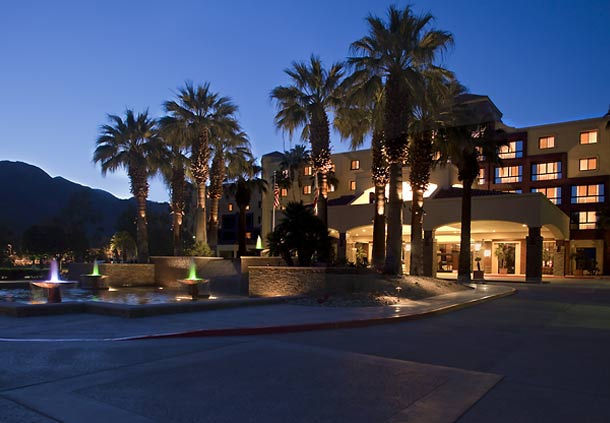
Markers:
point(407, 247)
point(487, 253)
point(477, 246)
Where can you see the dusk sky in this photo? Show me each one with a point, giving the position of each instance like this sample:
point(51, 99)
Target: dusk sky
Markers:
point(65, 65)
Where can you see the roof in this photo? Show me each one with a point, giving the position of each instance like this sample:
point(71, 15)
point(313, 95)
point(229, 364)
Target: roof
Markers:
point(481, 106)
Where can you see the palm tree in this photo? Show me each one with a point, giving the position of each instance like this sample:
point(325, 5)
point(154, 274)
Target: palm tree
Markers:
point(467, 139)
point(291, 163)
point(132, 144)
point(305, 104)
point(361, 115)
point(231, 155)
point(430, 108)
point(174, 169)
point(242, 188)
point(199, 114)
point(398, 50)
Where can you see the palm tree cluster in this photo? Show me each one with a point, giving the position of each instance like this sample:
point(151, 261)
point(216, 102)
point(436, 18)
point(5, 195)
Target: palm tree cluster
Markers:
point(392, 90)
point(199, 139)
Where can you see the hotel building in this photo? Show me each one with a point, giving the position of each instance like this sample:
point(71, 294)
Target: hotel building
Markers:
point(534, 214)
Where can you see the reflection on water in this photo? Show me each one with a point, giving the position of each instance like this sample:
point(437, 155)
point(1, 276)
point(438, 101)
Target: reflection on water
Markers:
point(150, 295)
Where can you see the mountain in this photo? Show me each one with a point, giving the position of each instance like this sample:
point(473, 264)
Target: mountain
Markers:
point(30, 196)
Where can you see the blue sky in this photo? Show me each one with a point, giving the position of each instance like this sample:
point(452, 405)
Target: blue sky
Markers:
point(64, 65)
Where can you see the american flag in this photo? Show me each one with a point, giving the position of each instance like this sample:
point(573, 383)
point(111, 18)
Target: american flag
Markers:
point(276, 194)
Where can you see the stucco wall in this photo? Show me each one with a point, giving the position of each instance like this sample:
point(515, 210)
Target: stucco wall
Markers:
point(119, 274)
point(269, 281)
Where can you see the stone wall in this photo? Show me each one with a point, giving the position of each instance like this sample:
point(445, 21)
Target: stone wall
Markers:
point(270, 281)
point(119, 274)
point(247, 261)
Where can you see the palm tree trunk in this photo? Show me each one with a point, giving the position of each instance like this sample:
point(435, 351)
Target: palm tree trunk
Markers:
point(200, 218)
point(142, 229)
point(177, 238)
point(465, 259)
point(213, 228)
point(323, 198)
point(417, 236)
point(241, 231)
point(177, 188)
point(379, 228)
point(393, 258)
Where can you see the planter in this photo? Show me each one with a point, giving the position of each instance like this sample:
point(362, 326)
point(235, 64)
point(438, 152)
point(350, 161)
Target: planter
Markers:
point(478, 275)
point(578, 272)
point(504, 271)
point(93, 282)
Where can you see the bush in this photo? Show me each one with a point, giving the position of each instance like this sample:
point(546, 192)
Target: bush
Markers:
point(17, 273)
point(199, 249)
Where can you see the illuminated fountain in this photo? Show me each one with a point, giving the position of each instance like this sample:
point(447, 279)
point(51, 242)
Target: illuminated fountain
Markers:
point(52, 286)
point(94, 280)
point(192, 283)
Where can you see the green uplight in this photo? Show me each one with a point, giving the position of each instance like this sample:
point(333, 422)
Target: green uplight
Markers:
point(259, 243)
point(192, 271)
point(96, 269)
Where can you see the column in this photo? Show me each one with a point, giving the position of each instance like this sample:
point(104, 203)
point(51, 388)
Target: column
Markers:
point(342, 246)
point(429, 254)
point(533, 256)
point(559, 258)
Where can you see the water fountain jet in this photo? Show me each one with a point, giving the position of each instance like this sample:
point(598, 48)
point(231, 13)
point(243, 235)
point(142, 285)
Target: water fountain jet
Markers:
point(53, 284)
point(94, 280)
point(192, 283)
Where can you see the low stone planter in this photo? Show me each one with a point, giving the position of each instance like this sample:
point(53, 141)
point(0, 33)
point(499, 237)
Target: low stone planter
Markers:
point(93, 282)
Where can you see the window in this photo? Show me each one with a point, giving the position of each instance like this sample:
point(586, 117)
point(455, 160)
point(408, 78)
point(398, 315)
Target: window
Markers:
point(284, 192)
point(588, 137)
point(260, 204)
point(584, 220)
point(587, 194)
point(355, 165)
point(248, 207)
point(230, 207)
point(307, 171)
point(259, 220)
point(553, 194)
point(331, 188)
point(509, 174)
point(546, 142)
point(352, 185)
point(546, 171)
point(248, 235)
point(512, 150)
point(481, 178)
point(514, 191)
point(307, 189)
point(589, 163)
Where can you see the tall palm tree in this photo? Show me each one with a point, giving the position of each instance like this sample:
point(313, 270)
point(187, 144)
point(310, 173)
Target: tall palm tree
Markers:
point(431, 107)
point(305, 103)
point(359, 116)
point(132, 144)
point(231, 155)
point(242, 188)
point(291, 163)
point(199, 114)
point(468, 138)
point(174, 169)
point(398, 50)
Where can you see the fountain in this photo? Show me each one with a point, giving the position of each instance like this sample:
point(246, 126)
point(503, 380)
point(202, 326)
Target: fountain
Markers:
point(52, 285)
point(94, 280)
point(192, 283)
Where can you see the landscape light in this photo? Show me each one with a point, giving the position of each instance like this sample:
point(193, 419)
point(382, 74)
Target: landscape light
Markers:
point(259, 243)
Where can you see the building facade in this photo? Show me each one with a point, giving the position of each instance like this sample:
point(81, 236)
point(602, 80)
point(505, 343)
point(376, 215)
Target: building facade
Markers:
point(535, 213)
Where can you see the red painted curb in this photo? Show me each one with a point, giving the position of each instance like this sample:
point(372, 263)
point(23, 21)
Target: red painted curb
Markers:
point(266, 330)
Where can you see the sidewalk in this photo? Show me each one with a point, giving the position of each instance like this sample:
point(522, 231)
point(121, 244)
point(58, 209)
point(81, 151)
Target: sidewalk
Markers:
point(280, 318)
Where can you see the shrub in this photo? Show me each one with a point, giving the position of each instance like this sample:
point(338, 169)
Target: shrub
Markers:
point(199, 249)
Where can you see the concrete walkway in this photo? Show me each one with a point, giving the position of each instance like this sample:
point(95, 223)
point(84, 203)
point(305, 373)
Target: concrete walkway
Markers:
point(280, 318)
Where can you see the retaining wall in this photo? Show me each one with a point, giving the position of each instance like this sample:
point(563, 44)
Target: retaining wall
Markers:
point(169, 269)
point(270, 281)
point(119, 274)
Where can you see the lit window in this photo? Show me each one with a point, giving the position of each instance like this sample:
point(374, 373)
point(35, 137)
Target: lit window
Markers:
point(481, 178)
point(331, 188)
point(512, 150)
point(352, 185)
point(588, 137)
point(588, 194)
point(230, 207)
point(584, 220)
point(514, 191)
point(248, 207)
point(508, 174)
point(308, 171)
point(307, 189)
point(546, 142)
point(589, 163)
point(546, 171)
point(248, 235)
point(553, 194)
point(284, 192)
point(355, 165)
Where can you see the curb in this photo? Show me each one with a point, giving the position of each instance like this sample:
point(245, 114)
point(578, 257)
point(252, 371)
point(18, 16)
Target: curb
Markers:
point(267, 330)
